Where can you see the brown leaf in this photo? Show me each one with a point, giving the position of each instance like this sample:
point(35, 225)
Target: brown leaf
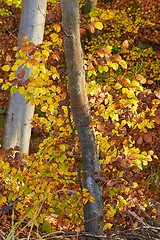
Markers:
point(157, 119)
point(140, 140)
point(101, 127)
point(148, 137)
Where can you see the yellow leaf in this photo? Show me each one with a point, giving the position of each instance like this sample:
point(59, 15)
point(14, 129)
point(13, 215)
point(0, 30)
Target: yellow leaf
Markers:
point(123, 64)
point(117, 86)
point(108, 225)
point(134, 83)
point(6, 68)
point(134, 185)
point(99, 25)
point(44, 108)
point(21, 90)
point(112, 65)
point(1, 80)
point(58, 90)
point(54, 37)
point(130, 94)
point(135, 225)
point(6, 86)
point(100, 69)
point(115, 66)
point(106, 68)
point(108, 50)
point(15, 67)
point(60, 122)
point(145, 162)
point(38, 91)
point(138, 163)
point(15, 49)
point(3, 200)
point(12, 76)
point(111, 212)
point(19, 205)
point(45, 53)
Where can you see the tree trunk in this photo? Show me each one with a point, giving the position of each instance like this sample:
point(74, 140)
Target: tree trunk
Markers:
point(81, 114)
point(18, 125)
point(88, 6)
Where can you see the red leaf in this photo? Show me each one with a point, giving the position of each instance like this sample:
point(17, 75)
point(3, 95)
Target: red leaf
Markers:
point(21, 74)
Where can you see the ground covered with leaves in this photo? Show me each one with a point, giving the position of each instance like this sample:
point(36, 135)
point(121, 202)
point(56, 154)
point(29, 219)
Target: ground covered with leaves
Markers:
point(41, 194)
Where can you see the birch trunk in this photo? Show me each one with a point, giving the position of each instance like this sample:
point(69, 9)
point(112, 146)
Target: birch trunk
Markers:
point(81, 114)
point(18, 124)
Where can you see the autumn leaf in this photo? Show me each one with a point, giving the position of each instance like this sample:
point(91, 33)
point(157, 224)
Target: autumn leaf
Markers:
point(147, 137)
point(157, 119)
point(123, 64)
point(6, 68)
point(6, 86)
point(24, 37)
point(101, 127)
point(140, 78)
point(117, 86)
point(108, 225)
point(108, 50)
point(8, 58)
point(21, 74)
point(139, 140)
point(125, 44)
point(98, 25)
point(138, 163)
point(45, 53)
point(57, 27)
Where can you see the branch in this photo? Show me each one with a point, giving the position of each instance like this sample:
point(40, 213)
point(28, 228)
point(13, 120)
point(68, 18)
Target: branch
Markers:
point(10, 205)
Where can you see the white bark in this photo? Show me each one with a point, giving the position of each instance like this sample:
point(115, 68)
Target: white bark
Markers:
point(18, 125)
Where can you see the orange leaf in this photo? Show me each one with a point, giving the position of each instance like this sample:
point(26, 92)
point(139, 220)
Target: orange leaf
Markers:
point(140, 78)
point(101, 127)
point(57, 27)
point(125, 44)
point(24, 37)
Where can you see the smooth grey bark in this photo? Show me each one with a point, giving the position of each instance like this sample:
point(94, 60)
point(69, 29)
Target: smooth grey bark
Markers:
point(18, 124)
point(81, 114)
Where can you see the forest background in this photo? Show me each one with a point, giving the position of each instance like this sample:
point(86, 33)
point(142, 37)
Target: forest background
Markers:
point(121, 43)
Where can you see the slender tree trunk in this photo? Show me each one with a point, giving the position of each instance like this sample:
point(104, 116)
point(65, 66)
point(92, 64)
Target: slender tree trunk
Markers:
point(81, 114)
point(88, 6)
point(18, 128)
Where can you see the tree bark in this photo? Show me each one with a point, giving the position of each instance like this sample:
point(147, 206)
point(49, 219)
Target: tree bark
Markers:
point(18, 124)
point(81, 114)
point(89, 6)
